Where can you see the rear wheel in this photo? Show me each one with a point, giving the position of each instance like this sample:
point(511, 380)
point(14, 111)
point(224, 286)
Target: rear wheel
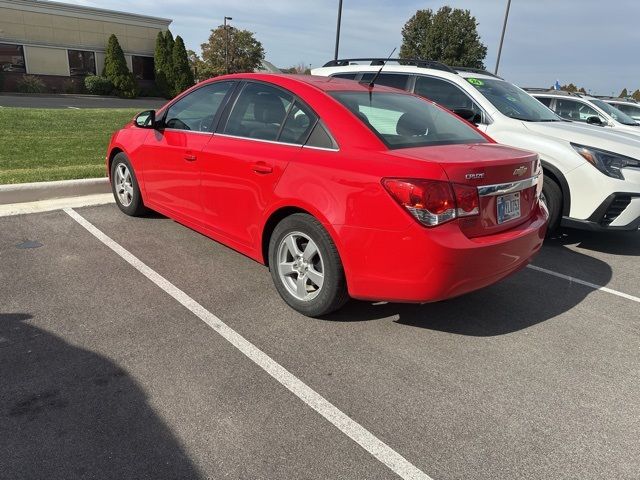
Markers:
point(552, 198)
point(125, 187)
point(305, 266)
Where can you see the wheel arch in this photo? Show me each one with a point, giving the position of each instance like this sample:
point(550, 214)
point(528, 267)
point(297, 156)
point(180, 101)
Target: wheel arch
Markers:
point(114, 151)
point(555, 174)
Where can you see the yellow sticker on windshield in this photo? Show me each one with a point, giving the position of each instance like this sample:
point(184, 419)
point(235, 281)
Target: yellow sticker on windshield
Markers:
point(475, 81)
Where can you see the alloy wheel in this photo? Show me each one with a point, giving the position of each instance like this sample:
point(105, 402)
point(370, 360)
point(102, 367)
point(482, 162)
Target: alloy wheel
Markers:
point(124, 186)
point(300, 266)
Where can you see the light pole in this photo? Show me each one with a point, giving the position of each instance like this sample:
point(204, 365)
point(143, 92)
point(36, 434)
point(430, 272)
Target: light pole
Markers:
point(226, 45)
point(504, 28)
point(335, 55)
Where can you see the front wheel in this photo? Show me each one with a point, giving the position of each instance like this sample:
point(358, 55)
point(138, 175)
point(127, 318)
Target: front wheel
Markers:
point(305, 266)
point(552, 198)
point(125, 187)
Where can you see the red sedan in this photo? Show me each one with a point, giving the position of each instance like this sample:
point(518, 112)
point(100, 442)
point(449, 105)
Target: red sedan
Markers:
point(342, 189)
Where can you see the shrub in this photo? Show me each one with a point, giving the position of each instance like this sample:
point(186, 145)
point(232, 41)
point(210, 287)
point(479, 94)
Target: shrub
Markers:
point(98, 85)
point(183, 76)
point(31, 84)
point(72, 85)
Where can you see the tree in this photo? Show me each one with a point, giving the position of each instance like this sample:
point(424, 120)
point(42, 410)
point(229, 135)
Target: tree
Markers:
point(183, 76)
point(160, 61)
point(569, 88)
point(449, 36)
point(582, 90)
point(117, 71)
point(623, 93)
point(636, 95)
point(244, 52)
point(196, 65)
point(169, 71)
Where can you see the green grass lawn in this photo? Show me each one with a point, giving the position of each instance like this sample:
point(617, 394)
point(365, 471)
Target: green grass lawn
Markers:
point(37, 145)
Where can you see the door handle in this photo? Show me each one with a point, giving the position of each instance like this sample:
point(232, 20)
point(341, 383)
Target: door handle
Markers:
point(189, 157)
point(262, 167)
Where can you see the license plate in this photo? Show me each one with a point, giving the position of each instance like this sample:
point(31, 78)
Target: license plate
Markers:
point(508, 207)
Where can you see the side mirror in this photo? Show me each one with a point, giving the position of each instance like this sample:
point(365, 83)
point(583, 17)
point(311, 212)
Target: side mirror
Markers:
point(468, 115)
point(146, 119)
point(593, 120)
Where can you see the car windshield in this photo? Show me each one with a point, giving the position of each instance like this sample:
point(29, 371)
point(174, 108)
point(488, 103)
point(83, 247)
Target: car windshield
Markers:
point(513, 101)
point(616, 114)
point(402, 120)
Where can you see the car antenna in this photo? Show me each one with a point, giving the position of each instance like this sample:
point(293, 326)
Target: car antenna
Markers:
point(373, 80)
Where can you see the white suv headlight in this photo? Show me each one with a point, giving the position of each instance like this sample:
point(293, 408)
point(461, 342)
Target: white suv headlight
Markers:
point(609, 163)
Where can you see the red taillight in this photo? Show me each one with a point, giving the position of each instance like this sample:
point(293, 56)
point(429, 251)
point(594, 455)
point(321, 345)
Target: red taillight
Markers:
point(433, 202)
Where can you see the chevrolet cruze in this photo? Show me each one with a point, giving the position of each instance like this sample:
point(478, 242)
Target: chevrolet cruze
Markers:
point(342, 189)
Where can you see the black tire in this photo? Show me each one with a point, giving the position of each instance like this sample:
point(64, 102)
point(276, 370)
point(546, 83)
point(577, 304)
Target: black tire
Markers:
point(552, 197)
point(136, 207)
point(333, 293)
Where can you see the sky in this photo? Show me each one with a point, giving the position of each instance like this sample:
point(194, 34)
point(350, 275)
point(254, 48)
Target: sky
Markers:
point(591, 43)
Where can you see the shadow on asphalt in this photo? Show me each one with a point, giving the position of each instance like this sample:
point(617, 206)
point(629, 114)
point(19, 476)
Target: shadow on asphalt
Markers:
point(516, 303)
point(71, 413)
point(614, 242)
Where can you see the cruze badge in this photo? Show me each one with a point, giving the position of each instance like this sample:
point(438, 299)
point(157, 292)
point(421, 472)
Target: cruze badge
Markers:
point(474, 176)
point(518, 172)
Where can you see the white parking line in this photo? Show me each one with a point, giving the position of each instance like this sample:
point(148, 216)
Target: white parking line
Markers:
point(582, 282)
point(363, 437)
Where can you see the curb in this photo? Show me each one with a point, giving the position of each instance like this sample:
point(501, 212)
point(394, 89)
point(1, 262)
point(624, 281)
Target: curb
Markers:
point(34, 192)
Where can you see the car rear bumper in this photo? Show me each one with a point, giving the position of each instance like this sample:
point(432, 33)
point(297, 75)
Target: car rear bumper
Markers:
point(428, 265)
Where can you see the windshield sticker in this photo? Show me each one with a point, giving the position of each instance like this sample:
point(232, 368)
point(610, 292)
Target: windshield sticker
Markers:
point(475, 81)
point(511, 99)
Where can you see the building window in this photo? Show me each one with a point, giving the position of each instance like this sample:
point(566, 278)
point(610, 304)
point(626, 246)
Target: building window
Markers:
point(81, 62)
point(12, 58)
point(143, 67)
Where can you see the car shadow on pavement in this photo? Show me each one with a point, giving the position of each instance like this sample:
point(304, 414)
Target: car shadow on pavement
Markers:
point(614, 242)
point(70, 413)
point(518, 302)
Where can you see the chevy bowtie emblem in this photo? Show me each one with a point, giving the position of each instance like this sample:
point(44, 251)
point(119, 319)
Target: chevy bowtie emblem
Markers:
point(518, 172)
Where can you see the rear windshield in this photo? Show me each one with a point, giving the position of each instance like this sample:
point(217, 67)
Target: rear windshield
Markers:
point(403, 121)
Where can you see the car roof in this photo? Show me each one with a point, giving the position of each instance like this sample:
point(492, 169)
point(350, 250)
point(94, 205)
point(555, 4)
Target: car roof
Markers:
point(325, 84)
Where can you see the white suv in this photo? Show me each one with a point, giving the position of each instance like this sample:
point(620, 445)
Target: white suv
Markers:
point(630, 107)
point(592, 176)
point(577, 107)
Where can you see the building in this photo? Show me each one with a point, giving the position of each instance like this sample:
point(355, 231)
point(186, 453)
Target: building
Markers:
point(61, 43)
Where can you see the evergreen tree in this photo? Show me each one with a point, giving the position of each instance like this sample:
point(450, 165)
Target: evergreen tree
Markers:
point(183, 75)
point(169, 71)
point(160, 65)
point(636, 95)
point(117, 71)
point(623, 93)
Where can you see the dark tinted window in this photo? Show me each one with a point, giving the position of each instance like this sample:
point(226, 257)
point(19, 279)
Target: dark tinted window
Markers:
point(258, 112)
point(298, 124)
point(197, 110)
point(444, 93)
point(143, 67)
point(349, 76)
point(402, 120)
point(545, 100)
point(320, 138)
point(394, 80)
point(12, 58)
point(81, 62)
point(575, 111)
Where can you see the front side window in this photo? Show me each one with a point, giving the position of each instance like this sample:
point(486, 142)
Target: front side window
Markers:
point(12, 58)
point(143, 67)
point(616, 114)
point(259, 112)
point(575, 111)
point(632, 110)
point(445, 94)
point(512, 101)
point(197, 110)
point(81, 62)
point(403, 120)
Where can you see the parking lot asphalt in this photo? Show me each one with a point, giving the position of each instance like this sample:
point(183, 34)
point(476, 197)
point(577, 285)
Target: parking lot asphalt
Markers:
point(77, 101)
point(104, 375)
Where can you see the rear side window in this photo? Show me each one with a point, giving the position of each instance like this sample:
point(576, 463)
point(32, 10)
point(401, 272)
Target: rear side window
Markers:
point(402, 120)
point(444, 93)
point(259, 112)
point(348, 76)
point(395, 80)
point(544, 100)
point(299, 123)
point(320, 138)
point(197, 110)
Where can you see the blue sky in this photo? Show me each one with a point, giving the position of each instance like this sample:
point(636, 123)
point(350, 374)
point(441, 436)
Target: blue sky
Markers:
point(588, 42)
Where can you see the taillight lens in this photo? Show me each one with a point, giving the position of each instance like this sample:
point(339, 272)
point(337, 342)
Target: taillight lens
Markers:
point(433, 202)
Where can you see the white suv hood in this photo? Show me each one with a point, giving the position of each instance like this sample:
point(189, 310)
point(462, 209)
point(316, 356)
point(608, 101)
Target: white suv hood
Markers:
point(618, 142)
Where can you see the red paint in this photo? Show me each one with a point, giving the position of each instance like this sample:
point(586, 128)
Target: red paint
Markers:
point(227, 188)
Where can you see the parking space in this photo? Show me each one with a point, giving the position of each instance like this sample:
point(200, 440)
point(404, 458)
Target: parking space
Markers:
point(535, 377)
